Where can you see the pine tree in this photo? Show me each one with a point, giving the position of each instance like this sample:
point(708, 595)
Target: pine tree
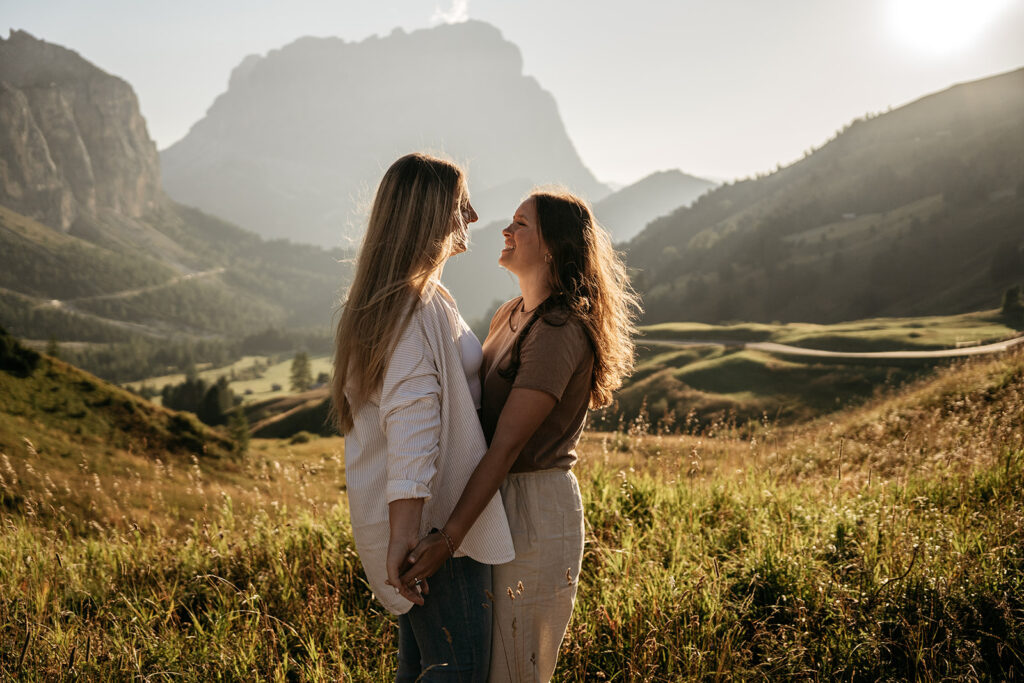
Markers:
point(1012, 302)
point(238, 430)
point(216, 403)
point(302, 374)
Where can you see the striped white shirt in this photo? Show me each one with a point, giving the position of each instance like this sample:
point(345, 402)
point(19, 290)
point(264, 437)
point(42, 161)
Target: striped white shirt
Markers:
point(419, 437)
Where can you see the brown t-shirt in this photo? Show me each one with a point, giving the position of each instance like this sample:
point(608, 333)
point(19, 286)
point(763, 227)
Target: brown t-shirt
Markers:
point(555, 358)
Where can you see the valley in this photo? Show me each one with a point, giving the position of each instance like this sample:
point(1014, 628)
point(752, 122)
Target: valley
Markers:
point(813, 473)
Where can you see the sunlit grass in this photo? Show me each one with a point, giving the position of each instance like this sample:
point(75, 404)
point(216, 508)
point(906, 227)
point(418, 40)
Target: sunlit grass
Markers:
point(883, 542)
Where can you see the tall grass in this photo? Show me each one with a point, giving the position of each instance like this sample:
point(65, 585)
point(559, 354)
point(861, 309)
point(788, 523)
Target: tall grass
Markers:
point(883, 545)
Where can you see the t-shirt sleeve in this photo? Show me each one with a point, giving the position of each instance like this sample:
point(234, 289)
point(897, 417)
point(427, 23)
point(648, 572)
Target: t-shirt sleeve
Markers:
point(550, 356)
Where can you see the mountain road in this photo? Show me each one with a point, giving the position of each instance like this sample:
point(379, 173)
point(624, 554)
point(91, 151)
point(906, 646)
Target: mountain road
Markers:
point(787, 350)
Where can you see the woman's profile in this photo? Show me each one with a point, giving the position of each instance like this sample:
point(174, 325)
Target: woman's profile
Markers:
point(405, 395)
point(561, 347)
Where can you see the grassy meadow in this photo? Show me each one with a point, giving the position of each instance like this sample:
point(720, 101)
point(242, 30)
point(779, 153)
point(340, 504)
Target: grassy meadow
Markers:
point(883, 542)
point(724, 381)
point(873, 334)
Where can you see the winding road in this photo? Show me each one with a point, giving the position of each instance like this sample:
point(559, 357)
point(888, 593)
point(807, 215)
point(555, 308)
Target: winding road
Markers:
point(125, 293)
point(787, 350)
point(68, 306)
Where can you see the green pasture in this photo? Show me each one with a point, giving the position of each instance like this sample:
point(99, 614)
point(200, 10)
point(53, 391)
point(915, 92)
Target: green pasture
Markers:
point(251, 377)
point(876, 334)
point(720, 380)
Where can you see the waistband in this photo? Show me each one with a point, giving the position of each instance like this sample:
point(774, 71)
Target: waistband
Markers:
point(550, 472)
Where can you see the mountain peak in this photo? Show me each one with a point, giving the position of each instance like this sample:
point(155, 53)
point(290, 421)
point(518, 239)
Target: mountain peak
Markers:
point(297, 142)
point(26, 60)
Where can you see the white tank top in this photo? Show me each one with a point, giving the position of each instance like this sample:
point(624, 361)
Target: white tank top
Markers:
point(470, 350)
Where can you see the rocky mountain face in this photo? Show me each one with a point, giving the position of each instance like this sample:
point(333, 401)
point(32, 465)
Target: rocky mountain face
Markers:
point(72, 140)
point(91, 248)
point(297, 144)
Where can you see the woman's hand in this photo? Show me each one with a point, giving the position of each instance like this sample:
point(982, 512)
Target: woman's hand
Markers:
point(426, 558)
point(404, 516)
point(398, 550)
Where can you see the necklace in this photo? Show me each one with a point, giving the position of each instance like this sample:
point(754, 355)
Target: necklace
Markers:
point(519, 311)
point(513, 313)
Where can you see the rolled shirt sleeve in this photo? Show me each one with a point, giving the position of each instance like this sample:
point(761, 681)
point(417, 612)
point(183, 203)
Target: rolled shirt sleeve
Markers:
point(410, 414)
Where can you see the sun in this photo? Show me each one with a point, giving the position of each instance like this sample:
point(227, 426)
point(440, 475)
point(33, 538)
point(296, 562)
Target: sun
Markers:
point(941, 27)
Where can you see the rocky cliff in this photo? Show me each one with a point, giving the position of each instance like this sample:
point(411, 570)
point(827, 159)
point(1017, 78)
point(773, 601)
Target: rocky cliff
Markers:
point(92, 250)
point(297, 144)
point(72, 140)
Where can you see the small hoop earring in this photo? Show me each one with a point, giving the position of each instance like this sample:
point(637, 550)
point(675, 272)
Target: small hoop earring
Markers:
point(547, 257)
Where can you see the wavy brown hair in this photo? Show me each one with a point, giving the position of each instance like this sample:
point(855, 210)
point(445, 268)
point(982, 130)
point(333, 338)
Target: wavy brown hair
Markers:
point(415, 225)
point(589, 281)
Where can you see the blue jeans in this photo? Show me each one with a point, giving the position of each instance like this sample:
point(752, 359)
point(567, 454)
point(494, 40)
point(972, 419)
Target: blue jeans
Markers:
point(449, 637)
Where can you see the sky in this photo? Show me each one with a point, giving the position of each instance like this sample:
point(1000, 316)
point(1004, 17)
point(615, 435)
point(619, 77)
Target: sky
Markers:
point(722, 89)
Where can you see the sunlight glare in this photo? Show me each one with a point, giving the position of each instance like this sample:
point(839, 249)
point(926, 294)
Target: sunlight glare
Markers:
point(940, 27)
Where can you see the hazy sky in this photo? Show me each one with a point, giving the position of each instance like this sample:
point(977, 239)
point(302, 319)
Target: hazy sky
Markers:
point(718, 88)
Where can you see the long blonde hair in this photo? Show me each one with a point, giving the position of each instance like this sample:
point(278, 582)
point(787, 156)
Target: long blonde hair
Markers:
point(411, 232)
point(588, 282)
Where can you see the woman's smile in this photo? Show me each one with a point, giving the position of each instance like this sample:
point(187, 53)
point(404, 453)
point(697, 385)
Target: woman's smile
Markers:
point(524, 248)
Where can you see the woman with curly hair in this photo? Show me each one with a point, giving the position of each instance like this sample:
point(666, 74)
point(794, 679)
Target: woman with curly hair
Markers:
point(560, 348)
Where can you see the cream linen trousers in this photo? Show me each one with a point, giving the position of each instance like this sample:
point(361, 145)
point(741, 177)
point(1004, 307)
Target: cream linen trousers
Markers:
point(534, 594)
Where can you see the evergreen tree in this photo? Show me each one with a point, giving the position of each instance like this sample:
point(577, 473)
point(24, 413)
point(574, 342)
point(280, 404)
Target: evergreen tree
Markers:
point(216, 403)
point(238, 430)
point(185, 396)
point(15, 358)
point(1012, 302)
point(302, 373)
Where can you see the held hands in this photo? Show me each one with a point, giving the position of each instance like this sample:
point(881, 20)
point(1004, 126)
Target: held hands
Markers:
point(408, 587)
point(427, 557)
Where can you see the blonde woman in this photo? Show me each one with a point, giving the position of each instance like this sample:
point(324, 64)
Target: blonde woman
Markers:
point(406, 391)
point(561, 347)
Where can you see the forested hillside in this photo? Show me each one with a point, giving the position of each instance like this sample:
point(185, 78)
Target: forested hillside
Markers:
point(916, 211)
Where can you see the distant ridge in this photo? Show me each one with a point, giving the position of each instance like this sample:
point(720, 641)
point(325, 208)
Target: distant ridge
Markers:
point(297, 144)
point(628, 210)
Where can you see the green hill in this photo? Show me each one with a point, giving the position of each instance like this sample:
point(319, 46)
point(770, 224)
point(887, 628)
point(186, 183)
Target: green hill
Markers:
point(231, 283)
point(917, 211)
point(60, 418)
point(717, 380)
